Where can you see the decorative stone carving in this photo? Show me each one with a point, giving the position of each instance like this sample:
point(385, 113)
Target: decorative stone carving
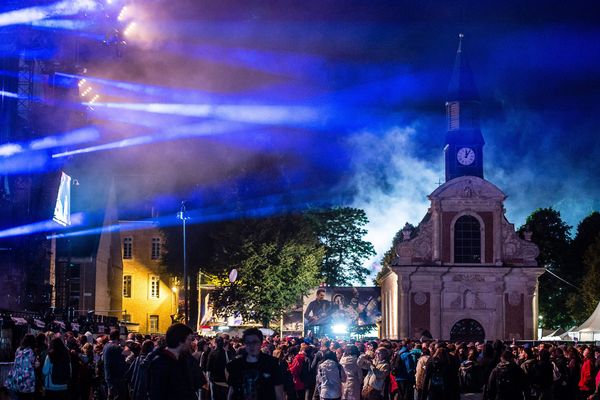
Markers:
point(420, 298)
point(468, 188)
point(516, 248)
point(456, 303)
point(468, 278)
point(419, 247)
point(472, 301)
point(514, 298)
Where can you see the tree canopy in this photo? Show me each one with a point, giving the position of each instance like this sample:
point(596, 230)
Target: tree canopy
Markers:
point(390, 255)
point(551, 234)
point(341, 232)
point(277, 260)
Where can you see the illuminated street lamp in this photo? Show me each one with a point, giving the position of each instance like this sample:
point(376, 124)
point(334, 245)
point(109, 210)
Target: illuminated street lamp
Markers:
point(181, 215)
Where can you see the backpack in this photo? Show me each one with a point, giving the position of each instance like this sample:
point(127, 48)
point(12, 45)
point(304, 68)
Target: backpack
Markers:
point(505, 382)
point(61, 373)
point(469, 378)
point(306, 375)
point(437, 383)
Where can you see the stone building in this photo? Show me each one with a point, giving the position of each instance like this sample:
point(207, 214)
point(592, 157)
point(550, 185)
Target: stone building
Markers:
point(464, 274)
point(149, 295)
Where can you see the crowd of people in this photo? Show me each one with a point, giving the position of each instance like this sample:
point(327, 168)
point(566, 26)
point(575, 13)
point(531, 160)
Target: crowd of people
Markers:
point(182, 366)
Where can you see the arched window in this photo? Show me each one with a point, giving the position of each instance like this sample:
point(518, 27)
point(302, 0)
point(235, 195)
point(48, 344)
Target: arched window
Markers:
point(467, 240)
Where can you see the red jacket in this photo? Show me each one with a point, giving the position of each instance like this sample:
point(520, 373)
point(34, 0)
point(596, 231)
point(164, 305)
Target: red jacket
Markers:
point(296, 369)
point(586, 382)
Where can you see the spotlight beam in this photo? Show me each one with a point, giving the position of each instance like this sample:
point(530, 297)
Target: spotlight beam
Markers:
point(200, 129)
point(61, 8)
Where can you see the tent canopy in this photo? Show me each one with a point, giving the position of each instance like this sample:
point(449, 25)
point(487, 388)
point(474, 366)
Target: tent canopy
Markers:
point(592, 324)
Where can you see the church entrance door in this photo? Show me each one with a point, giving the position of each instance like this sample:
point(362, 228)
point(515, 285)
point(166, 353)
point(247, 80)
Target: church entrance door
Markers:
point(467, 330)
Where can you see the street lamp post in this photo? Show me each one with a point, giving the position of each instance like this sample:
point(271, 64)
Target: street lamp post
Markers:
point(181, 215)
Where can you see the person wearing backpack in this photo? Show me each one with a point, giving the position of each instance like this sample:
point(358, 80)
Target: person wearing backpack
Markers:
point(378, 373)
point(404, 369)
point(330, 376)
point(354, 375)
point(470, 375)
point(532, 374)
point(296, 366)
point(21, 378)
point(507, 380)
point(308, 375)
point(57, 371)
point(438, 382)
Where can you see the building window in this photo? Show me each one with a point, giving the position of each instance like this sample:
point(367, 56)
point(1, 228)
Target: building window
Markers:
point(154, 287)
point(126, 285)
point(467, 240)
point(153, 325)
point(128, 248)
point(155, 248)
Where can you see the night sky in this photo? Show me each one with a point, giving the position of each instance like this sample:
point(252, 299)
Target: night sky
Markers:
point(342, 103)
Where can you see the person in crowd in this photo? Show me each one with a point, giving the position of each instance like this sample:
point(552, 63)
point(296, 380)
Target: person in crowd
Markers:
point(86, 370)
point(139, 372)
point(215, 368)
point(529, 365)
point(404, 369)
point(57, 371)
point(439, 377)
point(420, 372)
point(256, 375)
point(330, 376)
point(41, 350)
point(507, 380)
point(296, 366)
point(351, 388)
point(309, 373)
point(21, 378)
point(586, 380)
point(288, 380)
point(170, 376)
point(470, 375)
point(115, 367)
point(378, 367)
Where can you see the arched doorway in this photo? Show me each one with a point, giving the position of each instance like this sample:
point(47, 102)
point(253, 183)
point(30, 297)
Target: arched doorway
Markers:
point(467, 330)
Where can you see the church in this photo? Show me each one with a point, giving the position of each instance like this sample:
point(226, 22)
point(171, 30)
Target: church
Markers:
point(463, 273)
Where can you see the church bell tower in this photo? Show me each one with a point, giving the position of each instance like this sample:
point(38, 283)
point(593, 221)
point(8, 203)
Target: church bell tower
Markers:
point(463, 150)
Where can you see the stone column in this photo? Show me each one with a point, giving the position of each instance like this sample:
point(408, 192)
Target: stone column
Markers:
point(435, 310)
point(403, 299)
point(500, 311)
point(497, 253)
point(530, 312)
point(436, 216)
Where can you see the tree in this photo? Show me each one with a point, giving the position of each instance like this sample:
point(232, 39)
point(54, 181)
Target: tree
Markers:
point(590, 286)
point(551, 234)
point(341, 232)
point(580, 272)
point(587, 231)
point(277, 259)
point(390, 255)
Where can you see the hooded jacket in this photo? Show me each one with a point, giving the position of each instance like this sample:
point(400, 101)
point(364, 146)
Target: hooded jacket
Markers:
point(330, 376)
point(354, 377)
point(514, 382)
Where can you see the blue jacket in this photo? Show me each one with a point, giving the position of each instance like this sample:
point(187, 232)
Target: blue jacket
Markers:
point(404, 367)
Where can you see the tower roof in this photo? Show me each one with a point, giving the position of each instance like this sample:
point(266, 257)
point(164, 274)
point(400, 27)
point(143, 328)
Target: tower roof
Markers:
point(462, 86)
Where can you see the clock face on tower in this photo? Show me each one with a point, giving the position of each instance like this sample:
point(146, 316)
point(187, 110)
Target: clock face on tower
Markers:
point(465, 156)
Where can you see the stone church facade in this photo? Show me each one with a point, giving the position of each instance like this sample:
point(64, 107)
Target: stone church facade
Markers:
point(463, 273)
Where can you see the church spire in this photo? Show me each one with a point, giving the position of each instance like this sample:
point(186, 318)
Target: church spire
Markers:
point(464, 141)
point(462, 85)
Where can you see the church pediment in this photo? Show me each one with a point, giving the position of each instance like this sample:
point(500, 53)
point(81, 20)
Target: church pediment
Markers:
point(467, 188)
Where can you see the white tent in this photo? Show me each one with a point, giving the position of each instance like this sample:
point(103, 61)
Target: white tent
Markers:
point(557, 335)
point(590, 329)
